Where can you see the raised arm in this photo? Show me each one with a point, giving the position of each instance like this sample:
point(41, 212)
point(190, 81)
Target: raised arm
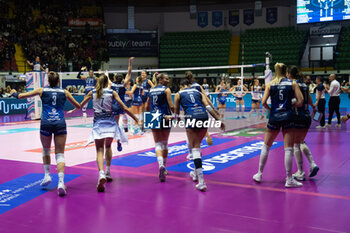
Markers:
point(120, 102)
point(128, 75)
point(72, 100)
point(30, 63)
point(25, 95)
point(79, 74)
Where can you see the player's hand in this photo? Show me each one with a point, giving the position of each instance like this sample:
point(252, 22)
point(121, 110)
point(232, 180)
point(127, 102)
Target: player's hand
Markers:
point(13, 91)
point(71, 111)
point(131, 59)
point(83, 68)
point(222, 126)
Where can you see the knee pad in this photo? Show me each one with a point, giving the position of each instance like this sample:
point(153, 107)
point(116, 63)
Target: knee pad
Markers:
point(296, 147)
point(59, 158)
point(46, 152)
point(196, 153)
point(159, 146)
point(165, 145)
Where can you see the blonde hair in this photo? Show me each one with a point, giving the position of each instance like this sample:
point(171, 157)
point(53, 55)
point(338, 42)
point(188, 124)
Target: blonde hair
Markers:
point(157, 78)
point(102, 82)
point(280, 72)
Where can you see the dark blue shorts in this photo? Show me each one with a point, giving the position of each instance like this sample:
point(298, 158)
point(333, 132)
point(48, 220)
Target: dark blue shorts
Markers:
point(136, 103)
point(47, 128)
point(277, 125)
point(117, 109)
point(222, 102)
point(239, 98)
point(128, 103)
point(255, 101)
point(302, 121)
point(144, 98)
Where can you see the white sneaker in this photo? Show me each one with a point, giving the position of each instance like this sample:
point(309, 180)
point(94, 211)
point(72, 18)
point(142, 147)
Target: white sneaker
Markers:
point(101, 183)
point(338, 126)
point(257, 177)
point(46, 181)
point(328, 125)
point(189, 157)
point(313, 170)
point(61, 189)
point(299, 176)
point(109, 177)
point(202, 187)
point(193, 175)
point(320, 127)
point(291, 183)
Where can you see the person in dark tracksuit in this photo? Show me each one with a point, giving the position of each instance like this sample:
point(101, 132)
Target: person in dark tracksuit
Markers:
point(321, 101)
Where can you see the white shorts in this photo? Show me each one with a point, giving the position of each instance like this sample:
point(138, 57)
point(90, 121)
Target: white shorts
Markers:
point(107, 129)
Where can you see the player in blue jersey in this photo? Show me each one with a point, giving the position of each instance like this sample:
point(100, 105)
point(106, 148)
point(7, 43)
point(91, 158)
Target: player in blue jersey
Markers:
point(137, 104)
point(146, 85)
point(90, 82)
point(302, 122)
point(160, 102)
point(256, 98)
point(239, 91)
point(282, 91)
point(222, 95)
point(189, 76)
point(119, 86)
point(105, 129)
point(195, 106)
point(52, 122)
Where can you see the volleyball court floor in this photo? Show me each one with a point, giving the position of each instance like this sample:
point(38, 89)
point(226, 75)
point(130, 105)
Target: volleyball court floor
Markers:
point(137, 202)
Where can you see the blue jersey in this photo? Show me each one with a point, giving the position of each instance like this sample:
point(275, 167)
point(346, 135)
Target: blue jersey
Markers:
point(146, 87)
point(90, 83)
point(281, 100)
point(196, 86)
point(138, 93)
point(222, 95)
point(120, 89)
point(159, 101)
point(53, 100)
point(191, 102)
point(305, 91)
point(127, 96)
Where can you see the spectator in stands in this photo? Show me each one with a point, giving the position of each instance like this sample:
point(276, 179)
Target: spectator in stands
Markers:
point(1, 92)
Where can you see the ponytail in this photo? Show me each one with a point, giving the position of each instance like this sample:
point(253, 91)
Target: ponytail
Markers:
point(102, 82)
point(280, 73)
